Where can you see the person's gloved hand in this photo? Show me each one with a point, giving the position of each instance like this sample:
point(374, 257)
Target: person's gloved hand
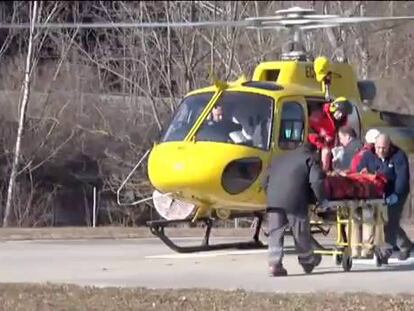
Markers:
point(324, 206)
point(391, 199)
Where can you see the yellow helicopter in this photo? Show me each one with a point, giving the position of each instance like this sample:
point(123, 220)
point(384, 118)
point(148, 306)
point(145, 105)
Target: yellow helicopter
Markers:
point(203, 170)
point(211, 160)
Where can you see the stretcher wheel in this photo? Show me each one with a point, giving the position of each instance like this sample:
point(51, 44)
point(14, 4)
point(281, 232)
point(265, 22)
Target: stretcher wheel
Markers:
point(346, 262)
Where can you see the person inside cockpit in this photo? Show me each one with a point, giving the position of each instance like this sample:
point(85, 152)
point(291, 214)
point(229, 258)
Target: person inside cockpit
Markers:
point(219, 126)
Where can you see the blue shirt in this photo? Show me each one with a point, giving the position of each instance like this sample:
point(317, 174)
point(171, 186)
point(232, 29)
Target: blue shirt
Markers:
point(395, 167)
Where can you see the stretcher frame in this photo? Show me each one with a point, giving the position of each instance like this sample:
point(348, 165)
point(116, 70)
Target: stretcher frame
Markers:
point(345, 220)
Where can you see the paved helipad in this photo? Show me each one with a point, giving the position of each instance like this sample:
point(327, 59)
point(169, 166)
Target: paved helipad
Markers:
point(149, 263)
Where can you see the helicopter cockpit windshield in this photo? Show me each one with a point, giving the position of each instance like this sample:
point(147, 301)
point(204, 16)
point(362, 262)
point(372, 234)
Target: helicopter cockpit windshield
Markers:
point(187, 113)
point(239, 118)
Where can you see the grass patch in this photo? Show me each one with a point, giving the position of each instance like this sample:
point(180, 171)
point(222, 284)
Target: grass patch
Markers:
point(71, 297)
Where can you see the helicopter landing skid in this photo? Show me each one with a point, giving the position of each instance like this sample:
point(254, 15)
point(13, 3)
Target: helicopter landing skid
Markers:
point(157, 228)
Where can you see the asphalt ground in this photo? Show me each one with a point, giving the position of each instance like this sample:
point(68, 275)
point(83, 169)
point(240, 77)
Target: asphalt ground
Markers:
point(147, 262)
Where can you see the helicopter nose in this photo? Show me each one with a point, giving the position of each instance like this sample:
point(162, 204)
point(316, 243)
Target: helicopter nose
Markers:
point(204, 169)
point(169, 167)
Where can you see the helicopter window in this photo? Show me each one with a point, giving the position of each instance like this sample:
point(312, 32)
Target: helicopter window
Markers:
point(239, 118)
point(271, 75)
point(263, 85)
point(354, 120)
point(291, 125)
point(316, 104)
point(187, 113)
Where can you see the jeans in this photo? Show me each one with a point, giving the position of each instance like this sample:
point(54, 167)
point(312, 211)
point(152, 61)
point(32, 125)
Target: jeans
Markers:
point(279, 220)
point(394, 234)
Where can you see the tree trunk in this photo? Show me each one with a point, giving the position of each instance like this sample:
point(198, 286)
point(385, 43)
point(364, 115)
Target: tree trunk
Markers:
point(23, 108)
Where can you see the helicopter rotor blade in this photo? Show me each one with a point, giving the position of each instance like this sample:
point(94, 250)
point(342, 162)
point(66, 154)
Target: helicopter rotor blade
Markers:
point(367, 19)
point(337, 22)
point(274, 27)
point(295, 17)
point(315, 22)
point(318, 26)
point(317, 16)
point(278, 18)
point(240, 23)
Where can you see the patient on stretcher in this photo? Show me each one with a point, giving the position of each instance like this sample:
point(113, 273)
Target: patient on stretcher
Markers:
point(348, 183)
point(353, 185)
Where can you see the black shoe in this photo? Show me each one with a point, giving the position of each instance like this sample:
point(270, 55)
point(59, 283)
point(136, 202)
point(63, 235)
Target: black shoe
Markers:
point(404, 254)
point(382, 260)
point(308, 267)
point(382, 256)
point(277, 270)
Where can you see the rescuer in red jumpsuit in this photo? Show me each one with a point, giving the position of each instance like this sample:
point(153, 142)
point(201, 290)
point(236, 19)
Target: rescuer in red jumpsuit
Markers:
point(325, 125)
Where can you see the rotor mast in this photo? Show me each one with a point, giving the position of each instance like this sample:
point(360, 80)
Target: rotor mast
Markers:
point(291, 19)
point(295, 48)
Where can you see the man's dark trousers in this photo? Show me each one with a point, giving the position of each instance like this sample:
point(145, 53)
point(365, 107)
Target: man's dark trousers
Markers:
point(394, 234)
point(279, 221)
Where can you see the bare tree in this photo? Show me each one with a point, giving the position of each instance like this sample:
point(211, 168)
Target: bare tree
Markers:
point(25, 100)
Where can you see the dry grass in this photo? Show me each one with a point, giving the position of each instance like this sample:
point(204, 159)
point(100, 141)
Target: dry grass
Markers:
point(69, 297)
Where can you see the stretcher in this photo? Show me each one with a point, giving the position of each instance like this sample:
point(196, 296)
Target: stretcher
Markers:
point(349, 217)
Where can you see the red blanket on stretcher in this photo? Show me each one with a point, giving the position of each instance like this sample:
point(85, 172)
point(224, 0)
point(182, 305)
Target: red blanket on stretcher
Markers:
point(355, 186)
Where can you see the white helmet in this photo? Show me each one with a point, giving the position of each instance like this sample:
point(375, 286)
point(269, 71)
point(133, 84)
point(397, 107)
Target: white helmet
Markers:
point(371, 136)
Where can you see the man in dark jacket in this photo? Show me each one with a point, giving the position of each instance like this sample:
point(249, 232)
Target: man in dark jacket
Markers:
point(393, 163)
point(292, 178)
point(351, 143)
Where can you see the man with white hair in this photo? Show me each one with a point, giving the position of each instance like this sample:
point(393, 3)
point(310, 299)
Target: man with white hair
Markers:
point(371, 136)
point(391, 161)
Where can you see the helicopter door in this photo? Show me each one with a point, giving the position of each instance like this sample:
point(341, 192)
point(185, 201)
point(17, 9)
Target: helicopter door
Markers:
point(291, 123)
point(354, 120)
